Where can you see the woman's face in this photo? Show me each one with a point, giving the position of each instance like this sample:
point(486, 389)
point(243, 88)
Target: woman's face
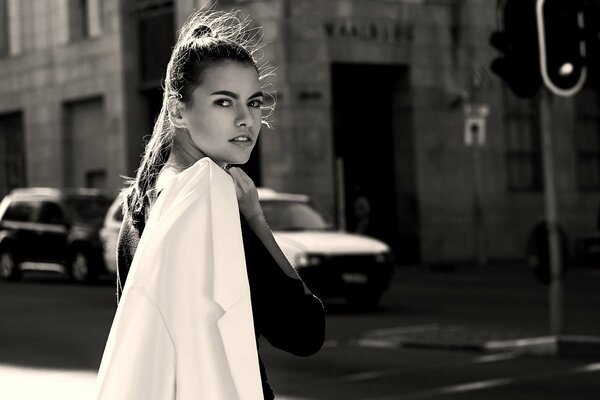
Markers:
point(224, 119)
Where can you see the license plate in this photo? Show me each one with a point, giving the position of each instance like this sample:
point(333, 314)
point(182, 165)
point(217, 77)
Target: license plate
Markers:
point(349, 277)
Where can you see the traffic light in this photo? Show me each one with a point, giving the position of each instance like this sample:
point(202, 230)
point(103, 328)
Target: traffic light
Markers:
point(519, 66)
point(562, 45)
point(591, 11)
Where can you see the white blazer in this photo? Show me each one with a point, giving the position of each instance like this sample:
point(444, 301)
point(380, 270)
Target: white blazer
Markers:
point(184, 329)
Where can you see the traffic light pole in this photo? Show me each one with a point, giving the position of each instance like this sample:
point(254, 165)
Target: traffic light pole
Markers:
point(556, 284)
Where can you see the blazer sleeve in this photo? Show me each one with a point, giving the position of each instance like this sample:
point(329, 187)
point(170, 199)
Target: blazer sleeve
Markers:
point(289, 318)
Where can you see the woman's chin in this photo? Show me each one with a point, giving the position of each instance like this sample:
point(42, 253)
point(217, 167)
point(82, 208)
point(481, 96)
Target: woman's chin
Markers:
point(232, 161)
point(239, 160)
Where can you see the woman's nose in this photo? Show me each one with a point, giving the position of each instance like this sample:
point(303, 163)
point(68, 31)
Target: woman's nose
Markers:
point(244, 118)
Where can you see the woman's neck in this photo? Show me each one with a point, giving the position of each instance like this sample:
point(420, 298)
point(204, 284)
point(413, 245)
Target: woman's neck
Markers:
point(183, 157)
point(178, 161)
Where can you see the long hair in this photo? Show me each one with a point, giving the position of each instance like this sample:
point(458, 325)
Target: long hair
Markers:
point(208, 37)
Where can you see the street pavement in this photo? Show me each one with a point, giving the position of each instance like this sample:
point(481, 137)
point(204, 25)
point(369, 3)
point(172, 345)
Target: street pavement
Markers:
point(428, 340)
point(432, 339)
point(495, 308)
point(21, 383)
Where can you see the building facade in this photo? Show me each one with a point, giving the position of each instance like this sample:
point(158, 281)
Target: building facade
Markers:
point(370, 115)
point(61, 101)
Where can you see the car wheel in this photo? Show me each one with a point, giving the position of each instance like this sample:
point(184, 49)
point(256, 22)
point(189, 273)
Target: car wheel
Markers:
point(365, 300)
point(81, 269)
point(9, 268)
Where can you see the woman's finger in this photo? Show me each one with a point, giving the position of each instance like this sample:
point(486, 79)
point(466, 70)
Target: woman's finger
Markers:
point(241, 178)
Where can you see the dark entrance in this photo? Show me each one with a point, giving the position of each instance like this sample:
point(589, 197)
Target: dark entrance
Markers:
point(373, 139)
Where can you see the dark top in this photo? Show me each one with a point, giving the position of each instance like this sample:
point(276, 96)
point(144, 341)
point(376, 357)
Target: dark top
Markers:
point(283, 313)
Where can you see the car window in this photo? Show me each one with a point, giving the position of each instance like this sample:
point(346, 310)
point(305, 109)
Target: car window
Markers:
point(293, 215)
point(21, 211)
point(51, 213)
point(88, 209)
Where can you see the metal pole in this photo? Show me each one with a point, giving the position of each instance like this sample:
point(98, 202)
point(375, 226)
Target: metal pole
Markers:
point(480, 233)
point(341, 194)
point(555, 290)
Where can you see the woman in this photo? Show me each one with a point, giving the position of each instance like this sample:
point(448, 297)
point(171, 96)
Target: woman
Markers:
point(206, 278)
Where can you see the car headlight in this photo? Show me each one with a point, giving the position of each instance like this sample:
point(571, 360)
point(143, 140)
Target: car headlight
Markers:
point(301, 260)
point(304, 260)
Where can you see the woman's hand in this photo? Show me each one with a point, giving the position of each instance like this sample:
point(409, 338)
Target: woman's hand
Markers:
point(245, 190)
point(250, 207)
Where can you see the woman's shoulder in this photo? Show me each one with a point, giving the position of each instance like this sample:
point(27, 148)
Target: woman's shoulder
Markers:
point(164, 177)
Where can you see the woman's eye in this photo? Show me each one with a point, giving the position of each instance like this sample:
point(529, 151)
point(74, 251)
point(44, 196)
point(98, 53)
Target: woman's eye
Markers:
point(255, 103)
point(223, 102)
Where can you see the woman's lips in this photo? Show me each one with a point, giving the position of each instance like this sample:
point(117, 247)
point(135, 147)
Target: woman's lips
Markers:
point(244, 142)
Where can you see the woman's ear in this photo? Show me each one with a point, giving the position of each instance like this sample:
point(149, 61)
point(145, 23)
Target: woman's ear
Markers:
point(176, 114)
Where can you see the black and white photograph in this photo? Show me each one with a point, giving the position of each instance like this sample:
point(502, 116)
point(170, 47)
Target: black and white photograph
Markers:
point(299, 199)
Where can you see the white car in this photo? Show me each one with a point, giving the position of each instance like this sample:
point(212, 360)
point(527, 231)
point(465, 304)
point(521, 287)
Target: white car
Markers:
point(110, 233)
point(332, 263)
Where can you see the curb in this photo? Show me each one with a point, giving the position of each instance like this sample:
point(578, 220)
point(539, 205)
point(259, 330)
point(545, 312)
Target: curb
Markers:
point(550, 345)
point(543, 345)
point(561, 345)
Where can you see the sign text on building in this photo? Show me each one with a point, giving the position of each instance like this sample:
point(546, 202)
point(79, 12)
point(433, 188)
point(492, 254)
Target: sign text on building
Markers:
point(375, 31)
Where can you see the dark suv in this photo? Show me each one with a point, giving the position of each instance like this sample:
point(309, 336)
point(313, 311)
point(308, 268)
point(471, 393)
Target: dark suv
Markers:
point(52, 229)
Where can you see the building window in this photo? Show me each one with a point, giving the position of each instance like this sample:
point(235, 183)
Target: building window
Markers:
point(523, 143)
point(85, 19)
point(587, 139)
point(156, 35)
point(4, 38)
point(78, 19)
point(86, 153)
point(12, 153)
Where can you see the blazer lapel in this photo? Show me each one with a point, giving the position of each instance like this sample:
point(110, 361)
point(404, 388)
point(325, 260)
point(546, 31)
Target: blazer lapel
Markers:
point(230, 276)
point(239, 342)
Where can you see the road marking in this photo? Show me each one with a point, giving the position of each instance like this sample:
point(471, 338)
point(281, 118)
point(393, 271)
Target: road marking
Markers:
point(365, 376)
point(375, 343)
point(328, 344)
point(480, 385)
point(402, 330)
point(380, 338)
point(486, 384)
point(495, 357)
point(290, 398)
point(588, 368)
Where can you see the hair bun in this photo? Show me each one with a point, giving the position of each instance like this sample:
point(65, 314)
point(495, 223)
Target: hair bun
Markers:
point(202, 31)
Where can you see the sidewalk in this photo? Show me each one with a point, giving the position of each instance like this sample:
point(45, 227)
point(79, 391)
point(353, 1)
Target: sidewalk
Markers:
point(501, 308)
point(454, 337)
point(19, 383)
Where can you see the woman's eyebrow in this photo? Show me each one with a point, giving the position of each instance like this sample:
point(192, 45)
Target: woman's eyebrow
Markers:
point(235, 95)
point(257, 94)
